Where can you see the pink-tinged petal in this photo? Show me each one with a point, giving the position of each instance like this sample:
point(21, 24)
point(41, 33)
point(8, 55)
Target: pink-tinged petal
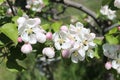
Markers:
point(38, 21)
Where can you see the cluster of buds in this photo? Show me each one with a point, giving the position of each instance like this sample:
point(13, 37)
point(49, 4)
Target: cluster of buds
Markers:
point(75, 42)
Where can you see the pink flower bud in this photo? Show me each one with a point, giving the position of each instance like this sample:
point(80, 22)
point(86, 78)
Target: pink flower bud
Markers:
point(19, 39)
point(49, 36)
point(108, 65)
point(26, 48)
point(119, 28)
point(49, 52)
point(65, 53)
point(64, 28)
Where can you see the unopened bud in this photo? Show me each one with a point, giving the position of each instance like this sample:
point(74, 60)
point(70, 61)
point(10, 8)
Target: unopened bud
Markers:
point(49, 36)
point(65, 53)
point(19, 39)
point(108, 65)
point(64, 28)
point(26, 48)
point(49, 52)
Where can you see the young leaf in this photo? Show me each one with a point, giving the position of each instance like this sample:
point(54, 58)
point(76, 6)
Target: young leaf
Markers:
point(10, 31)
point(111, 39)
point(56, 26)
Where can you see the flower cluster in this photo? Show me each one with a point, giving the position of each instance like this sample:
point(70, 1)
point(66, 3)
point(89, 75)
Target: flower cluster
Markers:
point(112, 52)
point(29, 30)
point(35, 5)
point(108, 12)
point(75, 41)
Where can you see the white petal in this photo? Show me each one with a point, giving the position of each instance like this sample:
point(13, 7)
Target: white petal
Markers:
point(57, 46)
point(74, 59)
point(78, 24)
point(66, 45)
point(41, 37)
point(90, 53)
point(25, 37)
point(32, 39)
point(81, 52)
point(21, 20)
point(114, 64)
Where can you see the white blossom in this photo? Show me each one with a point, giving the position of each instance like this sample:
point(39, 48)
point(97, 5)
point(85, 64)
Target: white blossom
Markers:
point(117, 3)
point(77, 40)
point(30, 31)
point(108, 12)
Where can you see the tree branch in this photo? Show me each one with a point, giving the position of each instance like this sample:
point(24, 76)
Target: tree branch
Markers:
point(11, 7)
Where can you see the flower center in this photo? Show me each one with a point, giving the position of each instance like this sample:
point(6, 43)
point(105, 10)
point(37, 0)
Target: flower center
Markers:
point(29, 31)
point(75, 53)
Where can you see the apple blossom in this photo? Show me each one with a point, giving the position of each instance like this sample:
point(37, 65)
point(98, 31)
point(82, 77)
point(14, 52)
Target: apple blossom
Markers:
point(117, 3)
point(108, 12)
point(30, 31)
point(26, 48)
point(49, 52)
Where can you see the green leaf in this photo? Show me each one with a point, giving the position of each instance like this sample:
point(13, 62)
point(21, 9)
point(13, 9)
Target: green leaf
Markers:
point(10, 30)
point(111, 39)
point(14, 19)
point(96, 53)
point(114, 30)
point(56, 26)
point(98, 41)
point(46, 26)
point(106, 2)
point(13, 66)
point(46, 2)
point(1, 1)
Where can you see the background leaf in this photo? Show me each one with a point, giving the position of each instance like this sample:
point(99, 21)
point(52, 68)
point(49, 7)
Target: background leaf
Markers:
point(10, 30)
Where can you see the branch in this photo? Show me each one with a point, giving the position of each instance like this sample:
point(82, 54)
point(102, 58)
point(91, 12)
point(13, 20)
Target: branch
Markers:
point(112, 26)
point(11, 7)
point(79, 6)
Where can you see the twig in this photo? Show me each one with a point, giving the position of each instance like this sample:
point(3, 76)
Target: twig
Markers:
point(79, 6)
point(112, 26)
point(11, 7)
